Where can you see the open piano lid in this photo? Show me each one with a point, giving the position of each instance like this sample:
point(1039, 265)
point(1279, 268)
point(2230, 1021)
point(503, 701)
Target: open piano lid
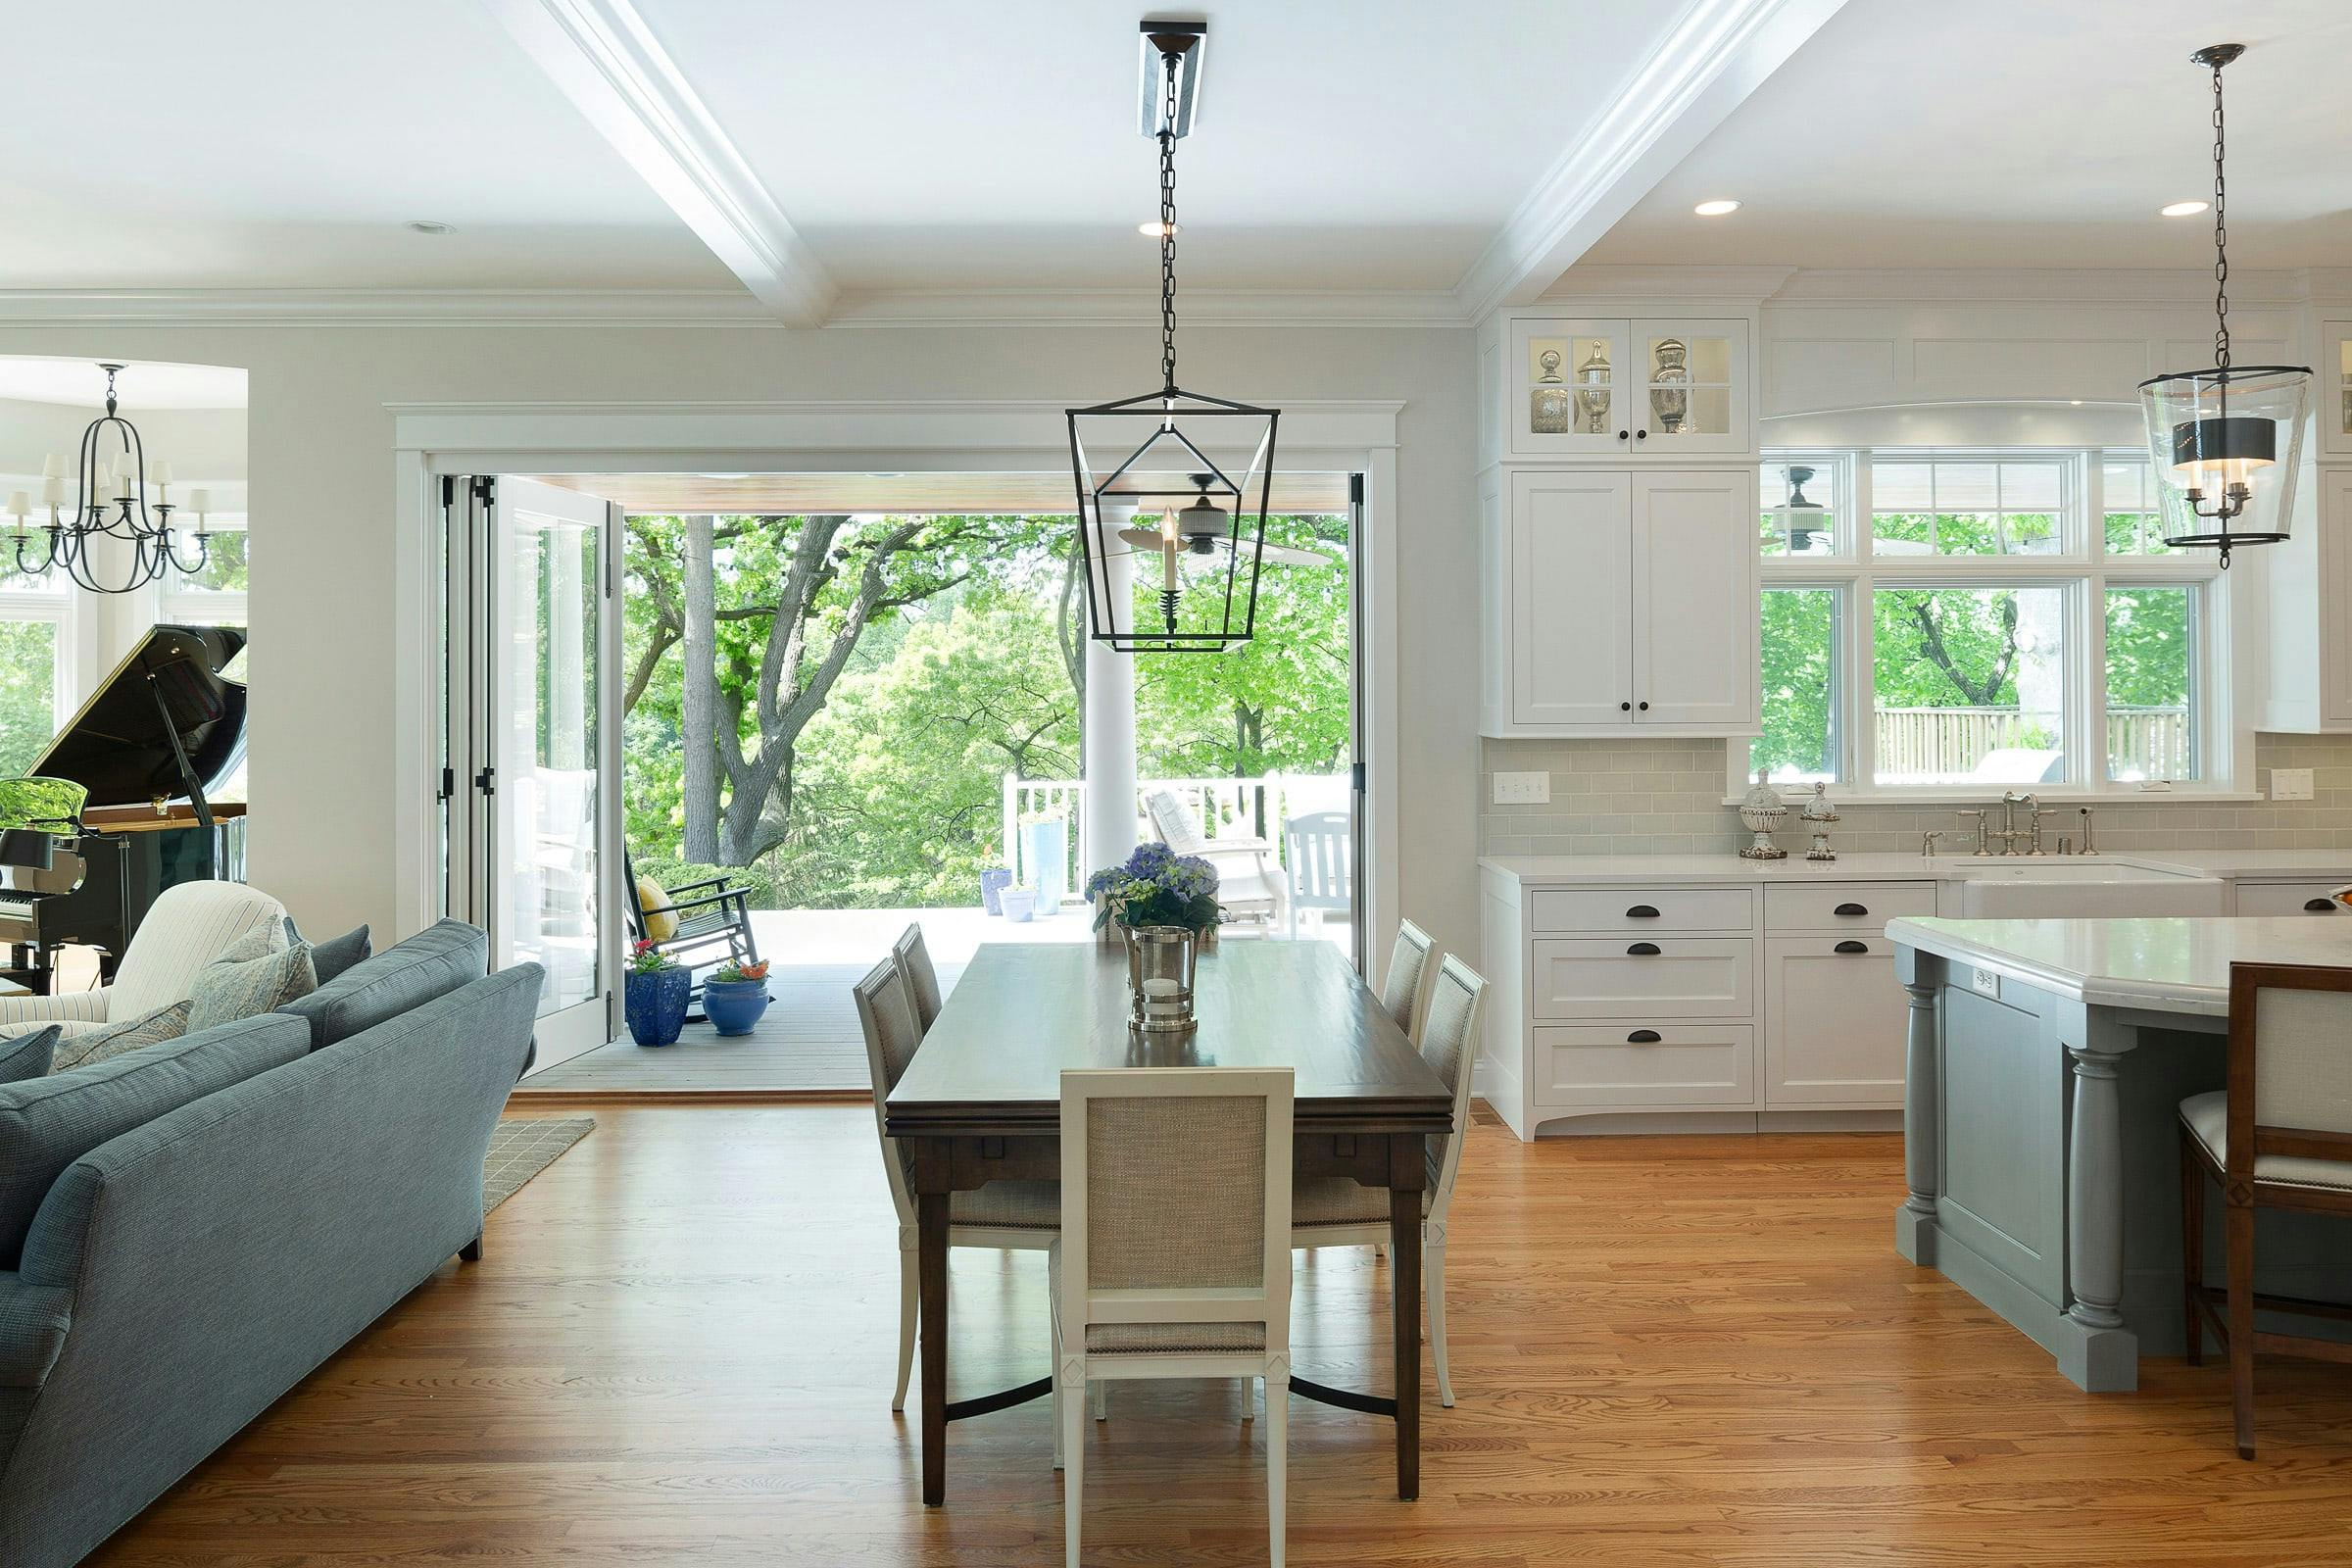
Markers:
point(165, 725)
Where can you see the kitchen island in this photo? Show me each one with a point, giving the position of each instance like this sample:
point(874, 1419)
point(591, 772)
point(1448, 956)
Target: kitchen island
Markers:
point(2046, 1061)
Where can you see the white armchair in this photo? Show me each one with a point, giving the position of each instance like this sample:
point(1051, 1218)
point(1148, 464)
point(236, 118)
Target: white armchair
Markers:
point(1249, 881)
point(186, 928)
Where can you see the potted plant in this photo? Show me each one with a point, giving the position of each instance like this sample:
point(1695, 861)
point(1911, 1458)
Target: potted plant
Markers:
point(995, 877)
point(735, 996)
point(655, 996)
point(1165, 906)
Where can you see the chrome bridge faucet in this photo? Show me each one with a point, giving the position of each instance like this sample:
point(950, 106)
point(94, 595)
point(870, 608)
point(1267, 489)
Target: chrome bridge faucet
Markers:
point(2009, 833)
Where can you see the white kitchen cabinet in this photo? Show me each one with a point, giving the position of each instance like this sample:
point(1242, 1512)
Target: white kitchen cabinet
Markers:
point(2288, 897)
point(1661, 387)
point(2308, 618)
point(1621, 603)
point(1835, 1022)
point(2334, 388)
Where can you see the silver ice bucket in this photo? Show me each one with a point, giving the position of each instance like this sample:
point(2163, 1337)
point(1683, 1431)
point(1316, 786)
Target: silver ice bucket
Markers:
point(1161, 961)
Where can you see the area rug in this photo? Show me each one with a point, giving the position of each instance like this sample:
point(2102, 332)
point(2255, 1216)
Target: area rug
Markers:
point(522, 1148)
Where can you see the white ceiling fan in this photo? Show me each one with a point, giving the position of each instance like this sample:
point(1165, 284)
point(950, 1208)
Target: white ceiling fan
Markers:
point(1202, 528)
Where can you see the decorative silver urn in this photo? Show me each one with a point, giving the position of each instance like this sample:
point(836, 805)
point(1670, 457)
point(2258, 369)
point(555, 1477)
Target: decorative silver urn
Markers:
point(1163, 962)
point(1670, 384)
point(1817, 815)
point(1592, 391)
point(1761, 811)
point(1548, 402)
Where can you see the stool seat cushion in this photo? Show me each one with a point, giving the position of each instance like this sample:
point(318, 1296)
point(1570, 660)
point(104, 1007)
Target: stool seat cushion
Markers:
point(2208, 1119)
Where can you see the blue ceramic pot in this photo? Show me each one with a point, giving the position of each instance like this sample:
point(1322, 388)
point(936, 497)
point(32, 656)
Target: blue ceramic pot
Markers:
point(734, 1006)
point(655, 1006)
point(993, 881)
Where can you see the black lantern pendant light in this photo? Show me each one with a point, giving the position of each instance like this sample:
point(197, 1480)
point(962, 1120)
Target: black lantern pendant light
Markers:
point(1150, 482)
point(2224, 443)
point(111, 503)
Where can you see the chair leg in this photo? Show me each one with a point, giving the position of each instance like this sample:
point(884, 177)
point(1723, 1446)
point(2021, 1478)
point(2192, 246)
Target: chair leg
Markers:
point(1098, 1395)
point(1433, 1286)
point(2193, 1247)
point(1073, 1469)
point(2242, 1324)
point(909, 1299)
point(1248, 1400)
point(1277, 1437)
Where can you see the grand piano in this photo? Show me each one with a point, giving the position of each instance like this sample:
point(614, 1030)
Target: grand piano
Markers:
point(116, 810)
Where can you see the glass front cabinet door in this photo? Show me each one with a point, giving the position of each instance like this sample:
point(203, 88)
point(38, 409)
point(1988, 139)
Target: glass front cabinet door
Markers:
point(1577, 387)
point(2335, 389)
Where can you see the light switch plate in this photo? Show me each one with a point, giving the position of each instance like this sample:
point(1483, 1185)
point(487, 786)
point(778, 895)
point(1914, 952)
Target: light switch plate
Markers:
point(1522, 789)
point(2290, 783)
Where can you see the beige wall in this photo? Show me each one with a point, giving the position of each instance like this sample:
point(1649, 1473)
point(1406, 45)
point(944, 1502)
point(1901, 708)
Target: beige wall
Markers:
point(320, 457)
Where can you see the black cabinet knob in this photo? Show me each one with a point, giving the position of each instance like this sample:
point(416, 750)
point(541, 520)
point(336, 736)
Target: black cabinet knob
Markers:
point(1851, 909)
point(1641, 435)
point(1645, 707)
point(2319, 906)
point(1623, 435)
point(1642, 950)
point(1644, 1037)
point(1642, 911)
point(1625, 708)
point(1853, 947)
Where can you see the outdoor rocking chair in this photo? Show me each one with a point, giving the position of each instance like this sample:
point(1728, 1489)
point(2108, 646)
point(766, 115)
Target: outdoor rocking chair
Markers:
point(714, 925)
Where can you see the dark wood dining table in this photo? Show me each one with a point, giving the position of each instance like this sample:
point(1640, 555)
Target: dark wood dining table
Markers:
point(982, 1103)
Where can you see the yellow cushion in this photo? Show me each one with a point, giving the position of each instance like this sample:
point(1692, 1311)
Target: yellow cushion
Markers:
point(661, 920)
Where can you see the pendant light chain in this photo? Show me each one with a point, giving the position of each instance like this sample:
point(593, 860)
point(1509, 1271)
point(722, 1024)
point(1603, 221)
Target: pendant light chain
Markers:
point(1167, 230)
point(2221, 232)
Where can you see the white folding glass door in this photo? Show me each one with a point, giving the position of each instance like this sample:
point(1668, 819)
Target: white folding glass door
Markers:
point(534, 786)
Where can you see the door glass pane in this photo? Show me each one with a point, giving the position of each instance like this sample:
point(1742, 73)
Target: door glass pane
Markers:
point(2151, 683)
point(2343, 354)
point(548, 784)
point(1570, 386)
point(1800, 685)
point(1689, 382)
point(1969, 685)
point(27, 692)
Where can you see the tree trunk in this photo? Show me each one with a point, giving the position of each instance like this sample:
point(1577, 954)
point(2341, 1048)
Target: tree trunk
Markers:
point(699, 680)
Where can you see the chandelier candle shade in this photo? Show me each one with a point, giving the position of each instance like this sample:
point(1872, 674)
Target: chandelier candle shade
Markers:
point(2225, 442)
point(111, 503)
point(1153, 481)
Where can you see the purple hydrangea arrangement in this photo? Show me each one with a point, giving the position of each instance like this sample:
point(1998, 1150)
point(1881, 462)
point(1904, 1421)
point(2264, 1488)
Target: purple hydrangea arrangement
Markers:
point(1157, 887)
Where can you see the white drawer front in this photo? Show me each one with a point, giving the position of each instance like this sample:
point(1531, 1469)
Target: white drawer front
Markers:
point(2288, 897)
point(1843, 907)
point(1835, 1023)
point(1584, 1065)
point(1660, 977)
point(1642, 909)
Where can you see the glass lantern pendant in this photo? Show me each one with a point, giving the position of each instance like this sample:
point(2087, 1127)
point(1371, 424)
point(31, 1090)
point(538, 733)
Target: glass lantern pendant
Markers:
point(2223, 442)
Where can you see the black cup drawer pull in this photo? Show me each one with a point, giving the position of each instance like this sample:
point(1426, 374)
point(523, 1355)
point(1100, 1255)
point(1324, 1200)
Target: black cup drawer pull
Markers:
point(1644, 1037)
point(1852, 910)
point(1642, 911)
point(2319, 906)
point(1853, 947)
point(1642, 950)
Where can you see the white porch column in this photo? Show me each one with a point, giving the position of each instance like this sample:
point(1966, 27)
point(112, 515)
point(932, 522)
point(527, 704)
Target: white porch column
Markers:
point(1109, 764)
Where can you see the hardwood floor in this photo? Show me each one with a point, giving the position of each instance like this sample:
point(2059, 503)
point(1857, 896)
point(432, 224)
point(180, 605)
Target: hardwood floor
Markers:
point(679, 1350)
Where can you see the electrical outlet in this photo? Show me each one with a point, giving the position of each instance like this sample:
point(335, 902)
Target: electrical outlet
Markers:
point(2290, 783)
point(1986, 981)
point(1522, 789)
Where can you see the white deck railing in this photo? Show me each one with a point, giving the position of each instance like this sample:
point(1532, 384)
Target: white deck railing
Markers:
point(1226, 807)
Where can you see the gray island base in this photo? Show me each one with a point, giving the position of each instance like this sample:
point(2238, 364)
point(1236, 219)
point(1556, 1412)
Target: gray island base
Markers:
point(2046, 1061)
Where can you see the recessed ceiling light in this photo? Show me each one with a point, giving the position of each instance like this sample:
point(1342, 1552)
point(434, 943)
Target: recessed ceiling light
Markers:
point(2183, 209)
point(1150, 228)
point(425, 225)
point(1715, 209)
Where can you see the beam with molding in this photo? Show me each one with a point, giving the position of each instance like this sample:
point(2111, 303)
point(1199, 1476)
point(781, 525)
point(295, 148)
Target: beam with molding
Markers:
point(607, 61)
point(1717, 53)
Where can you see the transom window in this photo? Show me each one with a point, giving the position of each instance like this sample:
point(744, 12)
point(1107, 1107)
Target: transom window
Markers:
point(1948, 621)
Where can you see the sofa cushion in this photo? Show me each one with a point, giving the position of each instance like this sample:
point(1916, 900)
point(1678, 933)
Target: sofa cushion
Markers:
point(255, 974)
point(46, 1124)
point(28, 1055)
point(111, 1040)
point(432, 963)
point(335, 954)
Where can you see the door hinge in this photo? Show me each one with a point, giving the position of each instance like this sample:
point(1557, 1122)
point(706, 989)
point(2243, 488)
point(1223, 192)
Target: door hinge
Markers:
point(1355, 777)
point(449, 783)
point(486, 781)
point(449, 491)
point(485, 488)
point(1355, 489)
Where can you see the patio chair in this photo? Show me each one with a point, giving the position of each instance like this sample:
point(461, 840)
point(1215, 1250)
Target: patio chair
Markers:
point(1249, 882)
point(1321, 847)
point(712, 924)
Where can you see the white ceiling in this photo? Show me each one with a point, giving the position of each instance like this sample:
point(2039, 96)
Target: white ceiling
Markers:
point(80, 384)
point(2024, 133)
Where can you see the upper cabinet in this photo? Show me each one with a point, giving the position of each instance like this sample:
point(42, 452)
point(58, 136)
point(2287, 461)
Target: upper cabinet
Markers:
point(1638, 387)
point(2335, 389)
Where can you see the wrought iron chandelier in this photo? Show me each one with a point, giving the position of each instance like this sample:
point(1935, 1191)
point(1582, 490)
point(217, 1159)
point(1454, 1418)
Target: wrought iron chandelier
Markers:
point(1207, 544)
point(111, 503)
point(2223, 442)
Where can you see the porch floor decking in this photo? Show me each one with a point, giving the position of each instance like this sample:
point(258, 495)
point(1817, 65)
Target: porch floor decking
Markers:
point(808, 1040)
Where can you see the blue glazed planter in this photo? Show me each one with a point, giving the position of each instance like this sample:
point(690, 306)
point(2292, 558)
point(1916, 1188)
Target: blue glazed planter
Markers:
point(993, 881)
point(733, 1006)
point(655, 1006)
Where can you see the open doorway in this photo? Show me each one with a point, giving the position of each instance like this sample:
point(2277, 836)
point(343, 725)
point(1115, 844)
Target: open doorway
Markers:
point(862, 701)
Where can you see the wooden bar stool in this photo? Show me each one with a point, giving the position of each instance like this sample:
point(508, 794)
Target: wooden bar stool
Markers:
point(2279, 1137)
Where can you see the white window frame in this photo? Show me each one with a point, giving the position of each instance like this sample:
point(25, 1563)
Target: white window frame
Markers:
point(200, 607)
point(2081, 566)
point(66, 676)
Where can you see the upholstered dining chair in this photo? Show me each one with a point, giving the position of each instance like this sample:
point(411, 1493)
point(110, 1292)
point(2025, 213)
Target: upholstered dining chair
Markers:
point(2279, 1137)
point(1009, 1216)
point(187, 927)
point(1402, 988)
point(922, 981)
point(1335, 1211)
point(1175, 1254)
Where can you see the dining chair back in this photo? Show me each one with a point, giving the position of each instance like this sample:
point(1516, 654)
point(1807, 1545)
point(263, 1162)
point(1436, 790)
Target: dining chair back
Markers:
point(922, 981)
point(1320, 849)
point(1175, 1251)
point(1400, 989)
point(886, 1015)
point(1450, 1044)
point(2279, 1136)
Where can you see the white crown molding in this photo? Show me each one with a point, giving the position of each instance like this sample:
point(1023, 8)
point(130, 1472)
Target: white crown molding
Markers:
point(2026, 285)
point(382, 305)
point(1365, 307)
point(604, 58)
point(1715, 55)
point(1748, 285)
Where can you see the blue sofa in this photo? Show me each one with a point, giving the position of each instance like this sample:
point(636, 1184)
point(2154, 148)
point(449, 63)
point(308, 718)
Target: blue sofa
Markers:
point(243, 1202)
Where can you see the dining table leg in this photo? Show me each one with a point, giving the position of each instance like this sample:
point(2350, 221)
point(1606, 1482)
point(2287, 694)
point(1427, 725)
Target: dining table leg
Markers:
point(931, 1270)
point(1408, 1175)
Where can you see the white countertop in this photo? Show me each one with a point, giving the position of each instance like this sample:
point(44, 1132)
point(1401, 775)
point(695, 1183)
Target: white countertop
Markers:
point(1883, 867)
point(2164, 966)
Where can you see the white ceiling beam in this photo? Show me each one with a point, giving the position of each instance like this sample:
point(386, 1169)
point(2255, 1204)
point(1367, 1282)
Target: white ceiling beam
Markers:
point(1715, 55)
point(607, 61)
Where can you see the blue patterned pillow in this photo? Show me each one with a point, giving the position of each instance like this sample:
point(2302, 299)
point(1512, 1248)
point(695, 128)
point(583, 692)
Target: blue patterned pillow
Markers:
point(257, 974)
point(112, 1040)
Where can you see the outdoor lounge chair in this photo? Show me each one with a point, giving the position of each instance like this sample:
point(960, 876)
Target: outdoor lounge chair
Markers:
point(714, 925)
point(1249, 882)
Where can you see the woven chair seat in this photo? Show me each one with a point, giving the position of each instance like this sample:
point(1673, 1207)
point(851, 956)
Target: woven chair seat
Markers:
point(1339, 1201)
point(1028, 1205)
point(2208, 1119)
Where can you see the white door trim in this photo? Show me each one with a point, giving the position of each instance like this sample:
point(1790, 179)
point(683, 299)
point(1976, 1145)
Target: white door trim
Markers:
point(432, 439)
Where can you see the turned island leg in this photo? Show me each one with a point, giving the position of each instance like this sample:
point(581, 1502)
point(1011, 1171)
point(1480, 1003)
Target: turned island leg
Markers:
point(2096, 1350)
point(1915, 1219)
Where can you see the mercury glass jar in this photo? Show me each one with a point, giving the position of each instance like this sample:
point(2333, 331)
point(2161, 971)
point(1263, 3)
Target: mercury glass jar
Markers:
point(1548, 402)
point(1761, 810)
